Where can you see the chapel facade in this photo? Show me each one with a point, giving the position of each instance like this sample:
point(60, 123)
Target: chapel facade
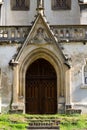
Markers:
point(43, 54)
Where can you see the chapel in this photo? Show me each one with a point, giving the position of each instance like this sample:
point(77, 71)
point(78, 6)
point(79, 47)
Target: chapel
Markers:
point(43, 56)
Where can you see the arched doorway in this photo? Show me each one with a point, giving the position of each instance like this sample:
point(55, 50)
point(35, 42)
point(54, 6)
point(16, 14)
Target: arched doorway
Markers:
point(41, 88)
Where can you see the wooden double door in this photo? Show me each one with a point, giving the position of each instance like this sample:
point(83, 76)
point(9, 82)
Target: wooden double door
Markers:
point(41, 88)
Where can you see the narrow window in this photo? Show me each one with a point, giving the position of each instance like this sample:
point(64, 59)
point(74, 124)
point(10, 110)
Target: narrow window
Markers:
point(17, 4)
point(20, 4)
point(1, 2)
point(85, 74)
point(61, 4)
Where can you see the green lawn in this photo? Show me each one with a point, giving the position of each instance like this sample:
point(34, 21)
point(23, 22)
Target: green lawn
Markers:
point(20, 121)
point(12, 122)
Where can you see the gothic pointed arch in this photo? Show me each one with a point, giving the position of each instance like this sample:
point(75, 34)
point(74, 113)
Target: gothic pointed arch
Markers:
point(40, 44)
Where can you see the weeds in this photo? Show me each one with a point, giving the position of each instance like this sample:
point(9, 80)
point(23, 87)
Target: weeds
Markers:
point(20, 121)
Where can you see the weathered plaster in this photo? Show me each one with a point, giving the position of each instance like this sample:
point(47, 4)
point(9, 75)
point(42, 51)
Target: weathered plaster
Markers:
point(78, 54)
point(6, 54)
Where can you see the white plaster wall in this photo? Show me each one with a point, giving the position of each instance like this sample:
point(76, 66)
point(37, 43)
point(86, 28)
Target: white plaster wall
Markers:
point(6, 54)
point(84, 16)
point(58, 17)
point(11, 17)
point(64, 17)
point(78, 54)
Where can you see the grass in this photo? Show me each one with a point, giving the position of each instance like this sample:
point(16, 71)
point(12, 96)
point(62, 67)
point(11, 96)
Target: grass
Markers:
point(20, 121)
point(13, 122)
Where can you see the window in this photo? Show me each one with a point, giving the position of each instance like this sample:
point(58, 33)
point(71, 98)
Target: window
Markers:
point(1, 2)
point(85, 74)
point(20, 4)
point(61, 4)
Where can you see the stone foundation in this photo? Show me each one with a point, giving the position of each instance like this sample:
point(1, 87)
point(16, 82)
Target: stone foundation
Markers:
point(71, 110)
point(82, 107)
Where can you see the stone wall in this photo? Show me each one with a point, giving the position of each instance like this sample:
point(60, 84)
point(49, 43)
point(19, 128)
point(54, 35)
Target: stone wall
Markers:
point(84, 16)
point(63, 17)
point(6, 54)
point(78, 55)
point(11, 17)
point(77, 52)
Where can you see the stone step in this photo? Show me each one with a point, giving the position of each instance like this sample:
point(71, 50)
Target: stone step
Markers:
point(44, 124)
point(43, 129)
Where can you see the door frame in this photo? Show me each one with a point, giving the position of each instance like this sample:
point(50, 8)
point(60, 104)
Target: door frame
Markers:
point(55, 60)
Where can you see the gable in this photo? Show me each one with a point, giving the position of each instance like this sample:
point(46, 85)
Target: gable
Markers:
point(40, 33)
point(39, 36)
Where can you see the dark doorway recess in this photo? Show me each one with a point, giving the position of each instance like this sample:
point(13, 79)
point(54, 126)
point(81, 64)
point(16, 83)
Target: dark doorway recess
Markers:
point(41, 88)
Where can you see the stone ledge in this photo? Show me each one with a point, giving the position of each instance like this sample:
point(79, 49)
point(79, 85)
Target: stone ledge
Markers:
point(15, 111)
point(83, 86)
point(52, 128)
point(73, 111)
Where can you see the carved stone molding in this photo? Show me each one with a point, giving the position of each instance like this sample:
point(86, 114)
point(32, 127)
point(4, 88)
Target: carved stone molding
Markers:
point(40, 37)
